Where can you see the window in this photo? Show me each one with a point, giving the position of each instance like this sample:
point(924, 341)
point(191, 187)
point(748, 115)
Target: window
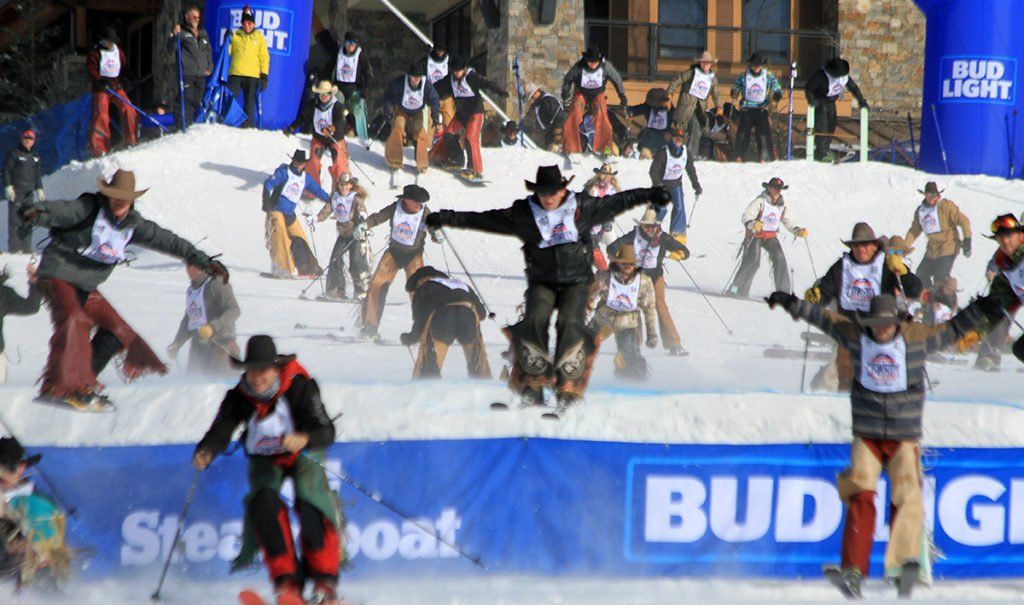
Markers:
point(767, 15)
point(454, 30)
point(683, 31)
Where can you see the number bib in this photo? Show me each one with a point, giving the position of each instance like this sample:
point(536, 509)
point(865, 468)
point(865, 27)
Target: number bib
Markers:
point(836, 85)
point(294, 187)
point(770, 217)
point(592, 80)
point(928, 218)
point(646, 254)
point(755, 87)
point(1016, 278)
point(701, 84)
point(883, 367)
point(195, 306)
point(412, 99)
point(108, 242)
point(110, 63)
point(436, 71)
point(461, 88)
point(323, 116)
point(557, 226)
point(674, 166)
point(860, 284)
point(264, 435)
point(345, 69)
point(342, 206)
point(405, 226)
point(622, 297)
point(451, 283)
point(657, 119)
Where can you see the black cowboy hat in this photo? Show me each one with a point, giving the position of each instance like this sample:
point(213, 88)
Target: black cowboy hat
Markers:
point(260, 353)
point(593, 53)
point(109, 33)
point(837, 67)
point(299, 156)
point(11, 453)
point(775, 182)
point(415, 193)
point(457, 63)
point(757, 58)
point(247, 14)
point(549, 180)
point(417, 68)
point(424, 272)
point(882, 312)
point(931, 187)
point(656, 97)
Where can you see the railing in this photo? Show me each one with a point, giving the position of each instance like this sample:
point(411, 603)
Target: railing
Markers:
point(651, 51)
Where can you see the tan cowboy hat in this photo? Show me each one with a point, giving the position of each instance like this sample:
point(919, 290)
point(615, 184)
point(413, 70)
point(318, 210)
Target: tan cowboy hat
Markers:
point(706, 56)
point(625, 255)
point(650, 217)
point(606, 168)
point(863, 234)
point(883, 312)
point(896, 242)
point(121, 186)
point(325, 87)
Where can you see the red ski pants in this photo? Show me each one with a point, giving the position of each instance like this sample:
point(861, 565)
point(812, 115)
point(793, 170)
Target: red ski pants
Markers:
point(602, 126)
point(339, 165)
point(321, 544)
point(99, 128)
point(439, 154)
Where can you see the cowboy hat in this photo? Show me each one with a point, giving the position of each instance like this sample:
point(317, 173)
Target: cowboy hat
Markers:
point(1005, 223)
point(424, 272)
point(121, 186)
point(649, 217)
point(11, 453)
point(260, 353)
point(299, 156)
point(549, 180)
point(415, 193)
point(606, 168)
point(656, 97)
point(325, 87)
point(625, 255)
point(883, 312)
point(346, 177)
point(593, 53)
point(775, 182)
point(706, 56)
point(931, 188)
point(863, 234)
point(897, 242)
point(837, 67)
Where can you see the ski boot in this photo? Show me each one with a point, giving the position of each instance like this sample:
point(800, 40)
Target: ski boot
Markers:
point(288, 593)
point(567, 400)
point(848, 580)
point(324, 593)
point(532, 397)
point(907, 578)
point(678, 351)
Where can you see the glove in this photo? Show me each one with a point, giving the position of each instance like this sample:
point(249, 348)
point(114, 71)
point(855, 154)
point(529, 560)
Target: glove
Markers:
point(756, 226)
point(217, 268)
point(783, 299)
point(360, 230)
point(813, 295)
point(41, 196)
point(895, 264)
point(172, 349)
point(777, 96)
point(201, 460)
point(680, 254)
point(863, 103)
point(328, 131)
point(9, 192)
point(407, 339)
point(623, 101)
point(263, 83)
point(652, 341)
point(28, 212)
point(436, 235)
point(802, 232)
point(659, 196)
point(439, 218)
point(967, 341)
point(205, 333)
point(697, 191)
point(966, 247)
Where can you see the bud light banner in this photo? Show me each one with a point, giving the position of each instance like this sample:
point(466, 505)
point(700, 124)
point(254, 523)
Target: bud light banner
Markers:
point(544, 507)
point(286, 26)
point(979, 79)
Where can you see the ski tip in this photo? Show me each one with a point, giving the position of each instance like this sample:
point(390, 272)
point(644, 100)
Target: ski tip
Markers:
point(550, 416)
point(498, 405)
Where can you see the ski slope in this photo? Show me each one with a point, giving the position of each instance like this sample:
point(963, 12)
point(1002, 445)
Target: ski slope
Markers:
point(205, 186)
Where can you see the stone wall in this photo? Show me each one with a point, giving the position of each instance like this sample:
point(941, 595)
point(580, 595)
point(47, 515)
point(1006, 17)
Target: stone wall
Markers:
point(884, 42)
point(390, 46)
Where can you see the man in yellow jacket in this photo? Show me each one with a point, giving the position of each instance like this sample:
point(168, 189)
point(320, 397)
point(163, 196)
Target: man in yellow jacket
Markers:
point(939, 218)
point(250, 64)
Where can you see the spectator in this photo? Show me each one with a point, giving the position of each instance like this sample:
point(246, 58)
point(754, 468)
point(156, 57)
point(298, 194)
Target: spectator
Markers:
point(250, 64)
point(23, 177)
point(196, 62)
point(106, 65)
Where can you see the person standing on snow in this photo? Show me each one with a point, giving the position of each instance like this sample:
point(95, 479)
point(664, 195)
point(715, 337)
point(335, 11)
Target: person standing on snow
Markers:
point(582, 89)
point(106, 66)
point(250, 65)
point(290, 253)
point(694, 86)
point(822, 90)
point(404, 102)
point(352, 75)
point(667, 171)
point(348, 207)
point(196, 62)
point(466, 86)
point(22, 177)
point(760, 90)
point(324, 116)
point(938, 218)
point(437, 73)
point(444, 309)
point(554, 224)
point(650, 245)
point(762, 220)
point(208, 324)
point(888, 351)
point(287, 433)
point(618, 296)
point(88, 238)
point(407, 217)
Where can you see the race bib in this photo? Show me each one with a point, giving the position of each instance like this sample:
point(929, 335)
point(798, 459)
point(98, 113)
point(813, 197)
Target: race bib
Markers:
point(883, 366)
point(860, 284)
point(756, 87)
point(928, 218)
point(701, 84)
point(557, 226)
point(265, 435)
point(623, 297)
point(108, 242)
point(592, 80)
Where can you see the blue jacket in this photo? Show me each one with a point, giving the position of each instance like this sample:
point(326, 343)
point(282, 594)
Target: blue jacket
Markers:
point(275, 183)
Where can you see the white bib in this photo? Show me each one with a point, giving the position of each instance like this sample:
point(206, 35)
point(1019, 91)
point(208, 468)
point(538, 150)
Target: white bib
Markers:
point(771, 215)
point(108, 242)
point(592, 80)
point(755, 87)
point(941, 313)
point(701, 84)
point(345, 68)
point(860, 284)
point(435, 70)
point(461, 88)
point(622, 297)
point(110, 62)
point(657, 119)
point(836, 85)
point(674, 166)
point(405, 226)
point(557, 226)
point(323, 116)
point(342, 205)
point(451, 283)
point(883, 367)
point(294, 187)
point(1016, 278)
point(195, 306)
point(646, 254)
point(412, 99)
point(928, 218)
point(265, 434)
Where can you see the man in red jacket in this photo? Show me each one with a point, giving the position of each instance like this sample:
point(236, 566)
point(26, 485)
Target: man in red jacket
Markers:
point(106, 64)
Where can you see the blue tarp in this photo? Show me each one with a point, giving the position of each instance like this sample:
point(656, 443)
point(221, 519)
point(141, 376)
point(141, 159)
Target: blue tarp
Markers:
point(62, 133)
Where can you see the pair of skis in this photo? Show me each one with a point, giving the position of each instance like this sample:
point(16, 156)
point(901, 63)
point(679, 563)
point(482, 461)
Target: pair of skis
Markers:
point(251, 597)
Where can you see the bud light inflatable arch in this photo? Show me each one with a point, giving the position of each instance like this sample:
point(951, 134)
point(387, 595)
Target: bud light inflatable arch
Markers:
point(286, 25)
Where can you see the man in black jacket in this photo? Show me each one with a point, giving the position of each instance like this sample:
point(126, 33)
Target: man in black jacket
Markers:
point(823, 89)
point(196, 62)
point(280, 406)
point(352, 74)
point(444, 309)
point(22, 177)
point(554, 225)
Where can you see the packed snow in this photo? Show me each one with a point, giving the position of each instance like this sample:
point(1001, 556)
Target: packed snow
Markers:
point(205, 186)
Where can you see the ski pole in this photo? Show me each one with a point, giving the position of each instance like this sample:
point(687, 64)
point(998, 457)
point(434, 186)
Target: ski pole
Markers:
point(259, 109)
point(705, 297)
point(351, 161)
point(913, 146)
point(155, 597)
point(519, 94)
point(111, 92)
point(317, 278)
point(181, 84)
point(380, 500)
point(811, 258)
point(938, 133)
point(789, 129)
point(487, 308)
point(693, 210)
point(376, 134)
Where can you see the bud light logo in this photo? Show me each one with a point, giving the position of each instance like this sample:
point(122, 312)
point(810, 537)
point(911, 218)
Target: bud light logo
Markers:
point(978, 80)
point(275, 25)
point(883, 369)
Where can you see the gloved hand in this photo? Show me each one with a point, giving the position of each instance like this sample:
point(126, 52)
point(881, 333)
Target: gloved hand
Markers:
point(623, 101)
point(172, 349)
point(407, 339)
point(9, 192)
point(439, 218)
point(776, 96)
point(328, 131)
point(967, 341)
point(680, 254)
point(802, 232)
point(756, 227)
point(263, 83)
point(697, 191)
point(813, 295)
point(652, 341)
point(205, 333)
point(436, 235)
point(966, 247)
point(895, 264)
point(786, 300)
point(659, 196)
point(863, 103)
point(217, 268)
point(41, 196)
point(28, 212)
point(201, 460)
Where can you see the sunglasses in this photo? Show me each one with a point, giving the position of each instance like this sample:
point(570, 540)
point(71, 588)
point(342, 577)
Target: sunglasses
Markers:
point(1005, 222)
point(896, 252)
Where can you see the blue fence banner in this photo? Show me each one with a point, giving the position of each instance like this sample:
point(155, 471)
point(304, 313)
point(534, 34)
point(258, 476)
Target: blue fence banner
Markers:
point(548, 507)
point(971, 106)
point(62, 133)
